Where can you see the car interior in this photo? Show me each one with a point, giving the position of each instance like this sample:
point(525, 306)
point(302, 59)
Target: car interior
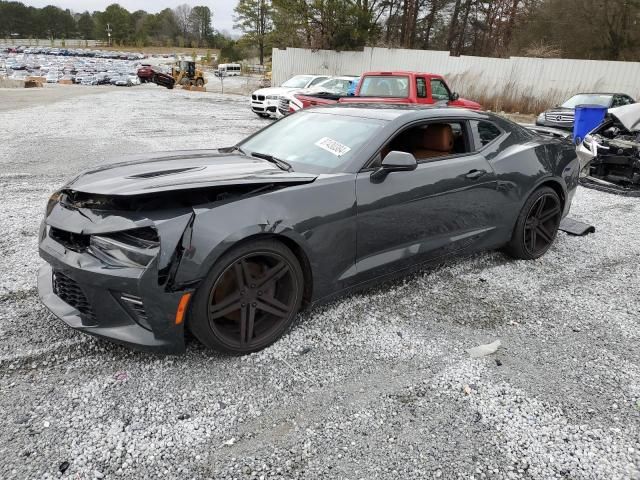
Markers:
point(425, 142)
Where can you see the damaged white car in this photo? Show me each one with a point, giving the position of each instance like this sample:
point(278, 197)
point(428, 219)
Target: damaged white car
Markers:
point(610, 154)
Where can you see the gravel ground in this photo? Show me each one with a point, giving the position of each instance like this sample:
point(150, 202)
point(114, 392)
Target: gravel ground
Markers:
point(378, 385)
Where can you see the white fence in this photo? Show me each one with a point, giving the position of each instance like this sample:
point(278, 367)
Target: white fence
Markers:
point(532, 77)
point(39, 42)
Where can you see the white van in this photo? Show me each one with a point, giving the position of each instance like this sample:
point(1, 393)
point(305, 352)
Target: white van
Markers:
point(228, 70)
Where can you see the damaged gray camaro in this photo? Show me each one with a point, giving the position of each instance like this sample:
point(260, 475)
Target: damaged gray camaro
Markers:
point(610, 154)
point(232, 243)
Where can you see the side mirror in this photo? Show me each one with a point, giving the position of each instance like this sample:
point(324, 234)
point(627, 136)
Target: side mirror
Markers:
point(455, 96)
point(395, 162)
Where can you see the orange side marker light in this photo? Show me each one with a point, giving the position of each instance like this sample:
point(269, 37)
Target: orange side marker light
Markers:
point(182, 308)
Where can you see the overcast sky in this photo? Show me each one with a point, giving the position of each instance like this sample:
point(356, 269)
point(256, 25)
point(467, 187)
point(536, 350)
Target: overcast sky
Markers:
point(222, 9)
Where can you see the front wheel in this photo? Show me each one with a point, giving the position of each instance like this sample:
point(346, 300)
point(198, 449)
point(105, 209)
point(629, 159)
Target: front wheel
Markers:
point(200, 82)
point(537, 225)
point(249, 299)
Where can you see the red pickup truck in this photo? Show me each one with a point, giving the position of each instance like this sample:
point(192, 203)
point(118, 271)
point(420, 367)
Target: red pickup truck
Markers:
point(390, 87)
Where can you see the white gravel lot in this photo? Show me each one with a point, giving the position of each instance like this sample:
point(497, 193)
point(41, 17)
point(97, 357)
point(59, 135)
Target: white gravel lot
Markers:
point(378, 385)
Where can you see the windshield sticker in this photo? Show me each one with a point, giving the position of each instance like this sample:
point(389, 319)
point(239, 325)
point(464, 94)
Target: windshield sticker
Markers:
point(332, 146)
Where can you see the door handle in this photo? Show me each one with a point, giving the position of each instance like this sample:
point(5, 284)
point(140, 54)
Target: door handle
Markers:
point(475, 174)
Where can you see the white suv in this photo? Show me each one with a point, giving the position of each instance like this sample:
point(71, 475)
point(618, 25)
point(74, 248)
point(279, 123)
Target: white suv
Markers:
point(264, 102)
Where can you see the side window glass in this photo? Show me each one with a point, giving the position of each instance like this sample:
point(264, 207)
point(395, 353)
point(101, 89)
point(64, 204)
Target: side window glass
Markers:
point(421, 88)
point(439, 91)
point(485, 133)
point(428, 142)
point(318, 80)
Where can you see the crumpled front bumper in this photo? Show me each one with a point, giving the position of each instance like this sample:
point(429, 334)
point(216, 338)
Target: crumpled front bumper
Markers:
point(126, 305)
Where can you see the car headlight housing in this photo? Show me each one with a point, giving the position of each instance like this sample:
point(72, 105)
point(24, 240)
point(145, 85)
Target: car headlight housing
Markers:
point(541, 117)
point(273, 97)
point(132, 248)
point(53, 200)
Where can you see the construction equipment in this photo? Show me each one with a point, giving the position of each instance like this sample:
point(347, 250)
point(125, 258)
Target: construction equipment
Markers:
point(184, 72)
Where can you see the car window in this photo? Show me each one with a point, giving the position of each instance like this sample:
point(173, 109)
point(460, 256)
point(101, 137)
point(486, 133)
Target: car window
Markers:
point(385, 86)
point(317, 81)
point(429, 141)
point(421, 87)
point(484, 133)
point(603, 100)
point(315, 142)
point(439, 90)
point(299, 81)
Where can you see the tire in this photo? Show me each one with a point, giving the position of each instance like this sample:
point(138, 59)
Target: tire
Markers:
point(199, 82)
point(537, 225)
point(249, 299)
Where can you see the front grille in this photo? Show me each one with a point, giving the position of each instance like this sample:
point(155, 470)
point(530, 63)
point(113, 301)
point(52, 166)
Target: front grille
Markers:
point(559, 117)
point(283, 106)
point(73, 241)
point(261, 98)
point(253, 97)
point(71, 293)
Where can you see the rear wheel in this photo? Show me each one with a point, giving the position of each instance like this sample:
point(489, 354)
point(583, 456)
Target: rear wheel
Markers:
point(249, 299)
point(537, 225)
point(199, 82)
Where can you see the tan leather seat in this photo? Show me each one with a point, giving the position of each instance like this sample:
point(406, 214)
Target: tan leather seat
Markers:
point(437, 141)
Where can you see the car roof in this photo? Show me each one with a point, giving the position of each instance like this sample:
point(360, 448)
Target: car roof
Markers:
point(382, 111)
point(401, 72)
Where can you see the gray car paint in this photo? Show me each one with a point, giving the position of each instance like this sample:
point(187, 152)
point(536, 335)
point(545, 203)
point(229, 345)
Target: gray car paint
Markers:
point(348, 230)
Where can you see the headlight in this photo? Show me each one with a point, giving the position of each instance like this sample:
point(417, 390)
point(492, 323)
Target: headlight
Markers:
point(541, 117)
point(53, 199)
point(273, 97)
point(132, 248)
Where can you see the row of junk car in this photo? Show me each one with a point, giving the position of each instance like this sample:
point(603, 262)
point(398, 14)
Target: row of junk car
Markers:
point(79, 66)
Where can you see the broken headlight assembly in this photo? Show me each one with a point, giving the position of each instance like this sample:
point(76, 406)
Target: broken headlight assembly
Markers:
point(131, 248)
point(53, 200)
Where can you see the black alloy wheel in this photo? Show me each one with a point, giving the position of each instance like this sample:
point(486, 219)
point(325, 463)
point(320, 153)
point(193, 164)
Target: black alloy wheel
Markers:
point(250, 298)
point(542, 223)
point(537, 225)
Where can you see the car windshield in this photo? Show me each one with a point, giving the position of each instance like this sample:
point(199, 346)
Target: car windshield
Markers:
point(385, 86)
point(299, 81)
point(588, 99)
point(314, 142)
point(335, 85)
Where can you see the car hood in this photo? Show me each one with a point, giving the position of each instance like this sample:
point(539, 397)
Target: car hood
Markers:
point(628, 116)
point(183, 170)
point(274, 91)
point(560, 110)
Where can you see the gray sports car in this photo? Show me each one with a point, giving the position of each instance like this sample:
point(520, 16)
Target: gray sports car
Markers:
point(232, 243)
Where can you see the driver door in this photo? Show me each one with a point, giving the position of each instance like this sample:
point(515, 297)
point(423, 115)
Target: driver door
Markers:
point(448, 203)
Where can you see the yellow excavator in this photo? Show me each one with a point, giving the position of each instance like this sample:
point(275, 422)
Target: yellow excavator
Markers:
point(184, 72)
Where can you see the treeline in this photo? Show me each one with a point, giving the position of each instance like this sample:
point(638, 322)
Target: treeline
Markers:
point(184, 26)
point(594, 29)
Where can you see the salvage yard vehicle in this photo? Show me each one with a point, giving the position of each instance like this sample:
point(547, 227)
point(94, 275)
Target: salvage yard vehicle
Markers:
point(610, 154)
point(265, 101)
point(563, 116)
point(163, 79)
point(331, 87)
point(228, 70)
point(396, 88)
point(231, 243)
point(145, 73)
point(185, 72)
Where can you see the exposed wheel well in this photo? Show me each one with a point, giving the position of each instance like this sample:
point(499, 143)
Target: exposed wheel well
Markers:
point(300, 255)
